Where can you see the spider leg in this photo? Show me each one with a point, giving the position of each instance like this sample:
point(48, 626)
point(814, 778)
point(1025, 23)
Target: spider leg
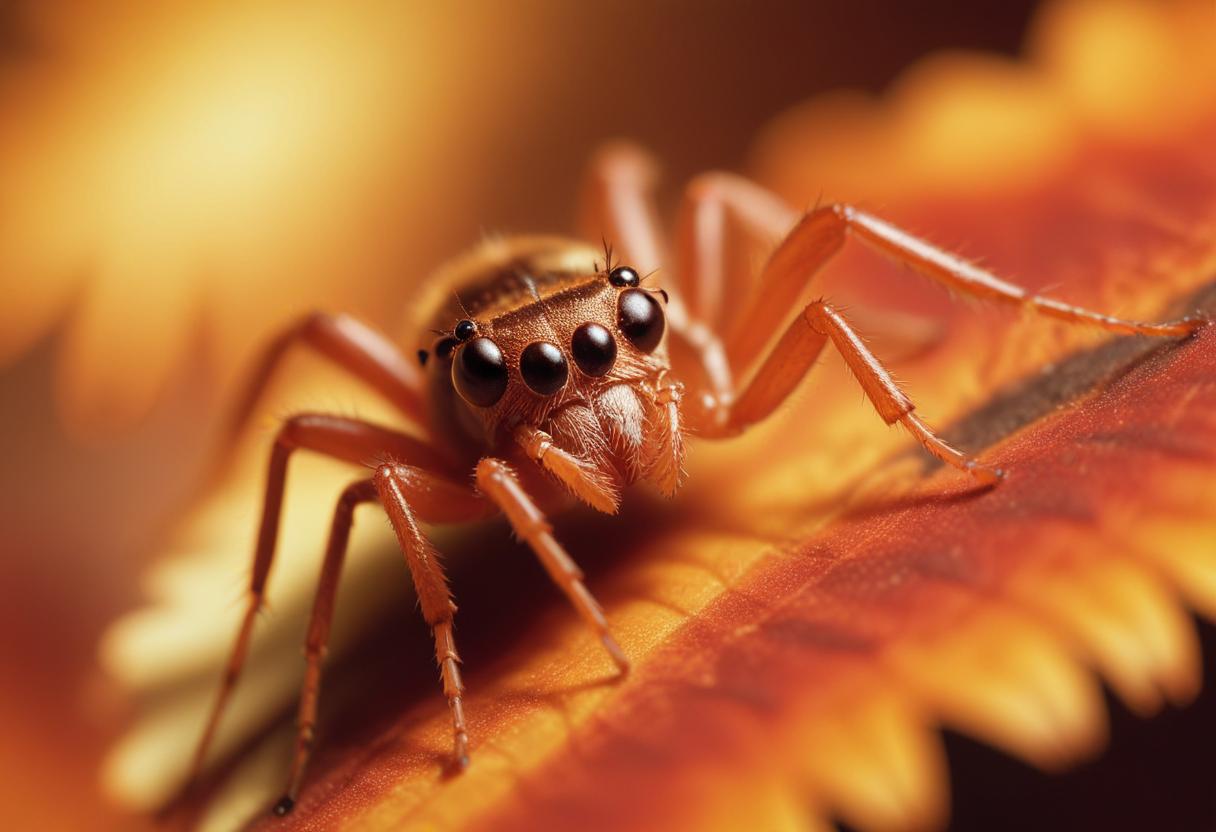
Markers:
point(318, 632)
point(402, 491)
point(364, 352)
point(347, 439)
point(822, 232)
point(581, 478)
point(792, 357)
point(786, 277)
point(429, 497)
point(618, 206)
point(724, 221)
point(498, 482)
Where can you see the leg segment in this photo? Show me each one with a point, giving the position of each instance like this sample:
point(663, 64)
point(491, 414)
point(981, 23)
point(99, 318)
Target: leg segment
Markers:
point(786, 277)
point(348, 439)
point(580, 478)
point(395, 484)
point(723, 219)
point(361, 350)
point(497, 482)
point(726, 224)
point(318, 633)
point(431, 497)
point(793, 356)
point(821, 233)
point(619, 206)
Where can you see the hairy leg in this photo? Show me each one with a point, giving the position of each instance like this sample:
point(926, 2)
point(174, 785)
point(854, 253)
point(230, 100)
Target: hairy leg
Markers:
point(725, 218)
point(786, 278)
point(362, 351)
point(793, 356)
point(822, 232)
point(618, 206)
point(398, 487)
point(580, 477)
point(347, 439)
point(317, 641)
point(497, 481)
point(429, 496)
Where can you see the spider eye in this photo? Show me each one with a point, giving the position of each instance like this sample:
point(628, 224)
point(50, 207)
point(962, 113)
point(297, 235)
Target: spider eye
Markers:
point(465, 330)
point(641, 319)
point(593, 348)
point(543, 367)
point(623, 276)
point(444, 347)
point(480, 373)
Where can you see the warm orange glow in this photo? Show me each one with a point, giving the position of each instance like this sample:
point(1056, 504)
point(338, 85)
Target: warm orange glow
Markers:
point(970, 123)
point(222, 157)
point(796, 649)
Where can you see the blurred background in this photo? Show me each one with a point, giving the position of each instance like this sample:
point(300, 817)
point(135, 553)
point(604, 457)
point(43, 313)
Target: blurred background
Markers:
point(179, 180)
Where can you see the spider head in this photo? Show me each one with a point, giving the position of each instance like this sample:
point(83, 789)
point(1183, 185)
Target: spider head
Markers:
point(574, 351)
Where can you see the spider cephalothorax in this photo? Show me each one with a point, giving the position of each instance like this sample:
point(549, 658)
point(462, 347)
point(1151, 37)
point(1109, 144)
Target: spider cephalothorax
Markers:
point(551, 347)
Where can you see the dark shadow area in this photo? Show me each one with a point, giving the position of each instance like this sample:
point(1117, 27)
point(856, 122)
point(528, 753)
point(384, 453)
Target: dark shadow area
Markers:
point(1156, 774)
point(1069, 379)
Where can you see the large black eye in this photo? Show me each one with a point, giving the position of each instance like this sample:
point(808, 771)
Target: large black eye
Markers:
point(480, 372)
point(593, 348)
point(543, 367)
point(640, 319)
point(623, 276)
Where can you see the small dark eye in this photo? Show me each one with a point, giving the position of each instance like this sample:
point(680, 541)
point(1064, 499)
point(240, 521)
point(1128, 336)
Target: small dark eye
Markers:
point(543, 367)
point(641, 319)
point(444, 347)
point(623, 276)
point(480, 373)
point(593, 348)
point(465, 330)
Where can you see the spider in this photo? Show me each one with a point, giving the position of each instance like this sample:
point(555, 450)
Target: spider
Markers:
point(557, 377)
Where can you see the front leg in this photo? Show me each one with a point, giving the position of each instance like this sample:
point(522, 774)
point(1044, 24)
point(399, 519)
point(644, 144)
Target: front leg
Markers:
point(498, 482)
point(398, 488)
point(580, 477)
point(337, 437)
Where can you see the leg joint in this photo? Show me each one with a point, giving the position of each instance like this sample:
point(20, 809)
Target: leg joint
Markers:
point(708, 187)
point(844, 212)
point(387, 472)
point(295, 429)
point(361, 491)
point(820, 316)
point(493, 470)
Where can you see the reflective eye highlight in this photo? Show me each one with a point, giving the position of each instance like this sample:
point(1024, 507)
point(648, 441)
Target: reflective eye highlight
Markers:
point(479, 373)
point(641, 319)
point(623, 276)
point(544, 368)
point(593, 348)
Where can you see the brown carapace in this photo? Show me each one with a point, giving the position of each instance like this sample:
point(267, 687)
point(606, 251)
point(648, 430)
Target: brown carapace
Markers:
point(550, 369)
